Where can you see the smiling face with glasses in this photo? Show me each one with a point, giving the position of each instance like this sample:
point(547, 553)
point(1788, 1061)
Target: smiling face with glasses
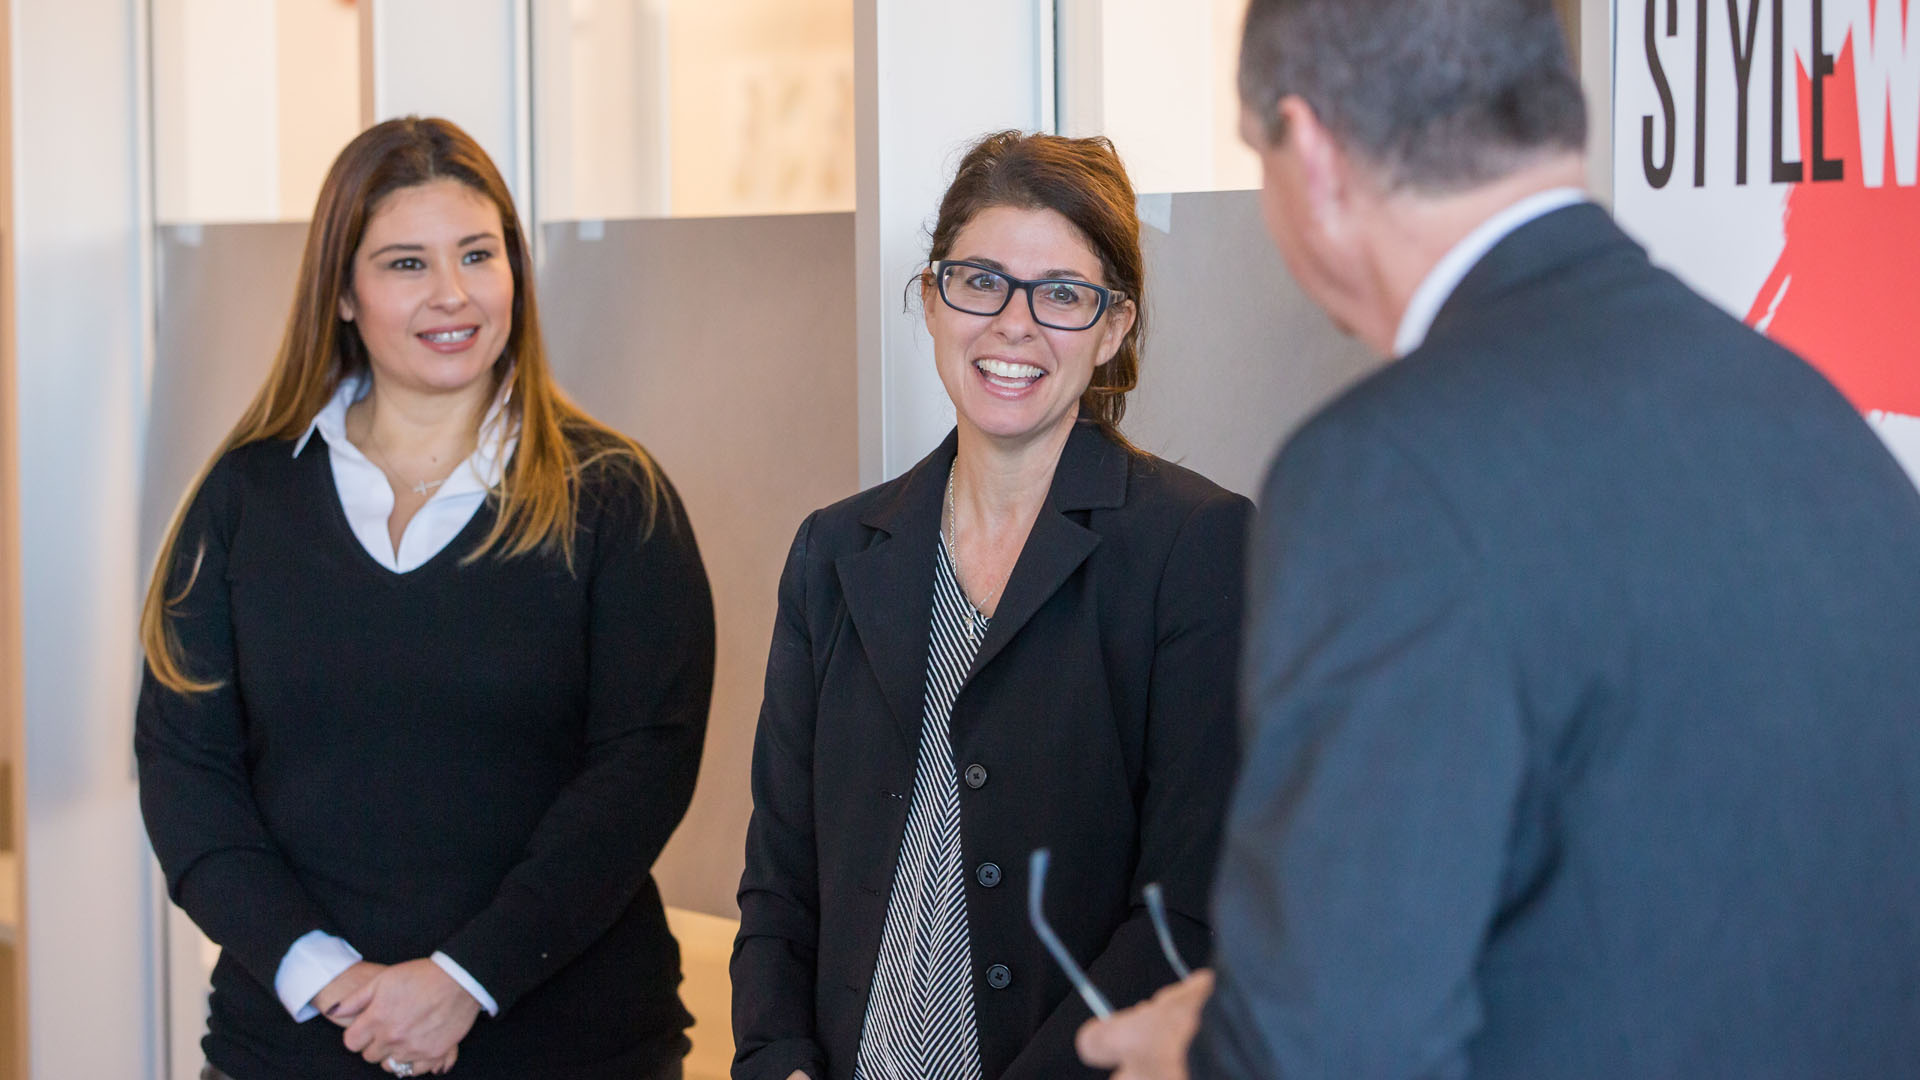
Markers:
point(1015, 365)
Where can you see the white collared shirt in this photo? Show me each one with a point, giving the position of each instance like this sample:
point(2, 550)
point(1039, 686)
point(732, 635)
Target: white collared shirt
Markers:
point(318, 958)
point(1453, 267)
point(367, 497)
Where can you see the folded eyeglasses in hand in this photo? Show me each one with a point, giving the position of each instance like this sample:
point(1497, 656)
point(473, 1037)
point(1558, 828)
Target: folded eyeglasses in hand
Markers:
point(1089, 993)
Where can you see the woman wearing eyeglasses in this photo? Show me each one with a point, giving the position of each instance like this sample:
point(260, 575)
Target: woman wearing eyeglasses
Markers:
point(1028, 640)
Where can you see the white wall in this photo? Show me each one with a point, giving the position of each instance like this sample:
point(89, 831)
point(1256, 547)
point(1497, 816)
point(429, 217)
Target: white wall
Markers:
point(461, 59)
point(911, 131)
point(1160, 80)
point(251, 101)
point(78, 76)
point(216, 100)
point(601, 125)
point(1157, 78)
point(318, 81)
point(693, 108)
point(761, 105)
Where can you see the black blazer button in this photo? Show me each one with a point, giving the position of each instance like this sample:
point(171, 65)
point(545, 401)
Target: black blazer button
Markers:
point(987, 874)
point(999, 977)
point(976, 776)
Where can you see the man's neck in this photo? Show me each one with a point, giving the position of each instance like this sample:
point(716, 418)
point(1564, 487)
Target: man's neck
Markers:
point(1414, 231)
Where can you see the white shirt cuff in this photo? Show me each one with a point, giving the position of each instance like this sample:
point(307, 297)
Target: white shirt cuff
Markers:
point(315, 960)
point(467, 982)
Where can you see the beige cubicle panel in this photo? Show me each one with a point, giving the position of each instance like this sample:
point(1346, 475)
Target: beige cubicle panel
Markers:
point(222, 302)
point(726, 346)
point(665, 329)
point(1236, 354)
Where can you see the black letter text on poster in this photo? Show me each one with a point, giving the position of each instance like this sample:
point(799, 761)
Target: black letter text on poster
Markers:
point(1823, 168)
point(1743, 74)
point(1784, 171)
point(1658, 175)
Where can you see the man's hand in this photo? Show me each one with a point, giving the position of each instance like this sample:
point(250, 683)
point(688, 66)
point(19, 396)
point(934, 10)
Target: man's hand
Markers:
point(412, 1013)
point(344, 986)
point(1150, 1040)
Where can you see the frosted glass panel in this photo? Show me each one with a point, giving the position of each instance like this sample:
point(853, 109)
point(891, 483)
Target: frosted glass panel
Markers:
point(692, 108)
point(251, 101)
point(1160, 80)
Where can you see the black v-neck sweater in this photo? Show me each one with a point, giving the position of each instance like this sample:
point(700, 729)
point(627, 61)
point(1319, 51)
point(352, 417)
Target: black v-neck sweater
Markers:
point(480, 758)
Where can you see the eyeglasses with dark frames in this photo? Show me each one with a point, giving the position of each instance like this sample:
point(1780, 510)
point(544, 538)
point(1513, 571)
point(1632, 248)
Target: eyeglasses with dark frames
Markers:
point(1060, 303)
point(1089, 993)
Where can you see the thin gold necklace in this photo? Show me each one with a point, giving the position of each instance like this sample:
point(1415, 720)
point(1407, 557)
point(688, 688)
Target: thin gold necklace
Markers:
point(422, 487)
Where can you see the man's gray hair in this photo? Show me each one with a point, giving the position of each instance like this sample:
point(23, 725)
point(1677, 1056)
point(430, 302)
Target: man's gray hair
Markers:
point(1439, 95)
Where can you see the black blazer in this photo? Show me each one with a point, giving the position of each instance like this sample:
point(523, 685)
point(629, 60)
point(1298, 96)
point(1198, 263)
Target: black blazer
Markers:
point(1099, 715)
point(1584, 706)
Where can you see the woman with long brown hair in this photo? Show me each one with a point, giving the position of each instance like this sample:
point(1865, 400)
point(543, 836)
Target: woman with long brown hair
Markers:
point(429, 654)
point(1026, 641)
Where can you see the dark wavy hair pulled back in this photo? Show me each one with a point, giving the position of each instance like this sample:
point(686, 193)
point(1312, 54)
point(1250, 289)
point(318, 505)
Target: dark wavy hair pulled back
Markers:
point(1083, 181)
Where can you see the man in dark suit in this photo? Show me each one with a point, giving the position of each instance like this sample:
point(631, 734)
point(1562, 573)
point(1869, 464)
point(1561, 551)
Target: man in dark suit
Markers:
point(1582, 684)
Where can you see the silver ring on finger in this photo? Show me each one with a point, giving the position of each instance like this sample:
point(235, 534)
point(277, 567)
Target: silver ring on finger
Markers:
point(399, 1068)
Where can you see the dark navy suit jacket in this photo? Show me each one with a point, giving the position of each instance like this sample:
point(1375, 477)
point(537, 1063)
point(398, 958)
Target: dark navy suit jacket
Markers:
point(1582, 725)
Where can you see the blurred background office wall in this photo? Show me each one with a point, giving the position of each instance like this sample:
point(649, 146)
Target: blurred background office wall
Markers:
point(727, 199)
point(251, 99)
point(81, 310)
point(12, 970)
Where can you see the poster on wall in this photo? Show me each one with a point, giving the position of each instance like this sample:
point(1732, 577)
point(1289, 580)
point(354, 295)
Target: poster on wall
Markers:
point(1768, 152)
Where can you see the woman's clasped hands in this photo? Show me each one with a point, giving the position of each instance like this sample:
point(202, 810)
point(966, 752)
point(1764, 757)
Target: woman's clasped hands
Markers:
point(407, 1018)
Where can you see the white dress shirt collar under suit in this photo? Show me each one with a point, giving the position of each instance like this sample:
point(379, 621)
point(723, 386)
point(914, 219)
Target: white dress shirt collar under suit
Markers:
point(318, 958)
point(1453, 267)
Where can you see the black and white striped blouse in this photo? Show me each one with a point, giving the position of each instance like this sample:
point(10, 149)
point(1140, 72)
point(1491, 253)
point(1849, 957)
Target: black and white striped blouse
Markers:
point(920, 1021)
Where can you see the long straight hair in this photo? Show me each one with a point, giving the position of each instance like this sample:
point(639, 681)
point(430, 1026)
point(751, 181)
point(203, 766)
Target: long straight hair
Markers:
point(537, 498)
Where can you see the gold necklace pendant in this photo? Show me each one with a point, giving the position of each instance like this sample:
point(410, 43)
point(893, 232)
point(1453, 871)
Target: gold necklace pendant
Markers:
point(418, 487)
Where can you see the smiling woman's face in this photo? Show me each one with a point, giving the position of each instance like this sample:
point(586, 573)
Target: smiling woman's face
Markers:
point(432, 290)
point(1010, 378)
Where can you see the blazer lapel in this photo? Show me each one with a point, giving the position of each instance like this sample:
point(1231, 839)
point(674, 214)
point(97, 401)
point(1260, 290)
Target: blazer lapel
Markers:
point(889, 587)
point(1055, 549)
point(1092, 475)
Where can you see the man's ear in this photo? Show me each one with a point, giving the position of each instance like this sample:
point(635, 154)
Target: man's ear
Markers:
point(1325, 169)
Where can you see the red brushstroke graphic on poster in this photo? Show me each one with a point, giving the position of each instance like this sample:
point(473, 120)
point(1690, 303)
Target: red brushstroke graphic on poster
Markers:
point(1844, 291)
point(1768, 151)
